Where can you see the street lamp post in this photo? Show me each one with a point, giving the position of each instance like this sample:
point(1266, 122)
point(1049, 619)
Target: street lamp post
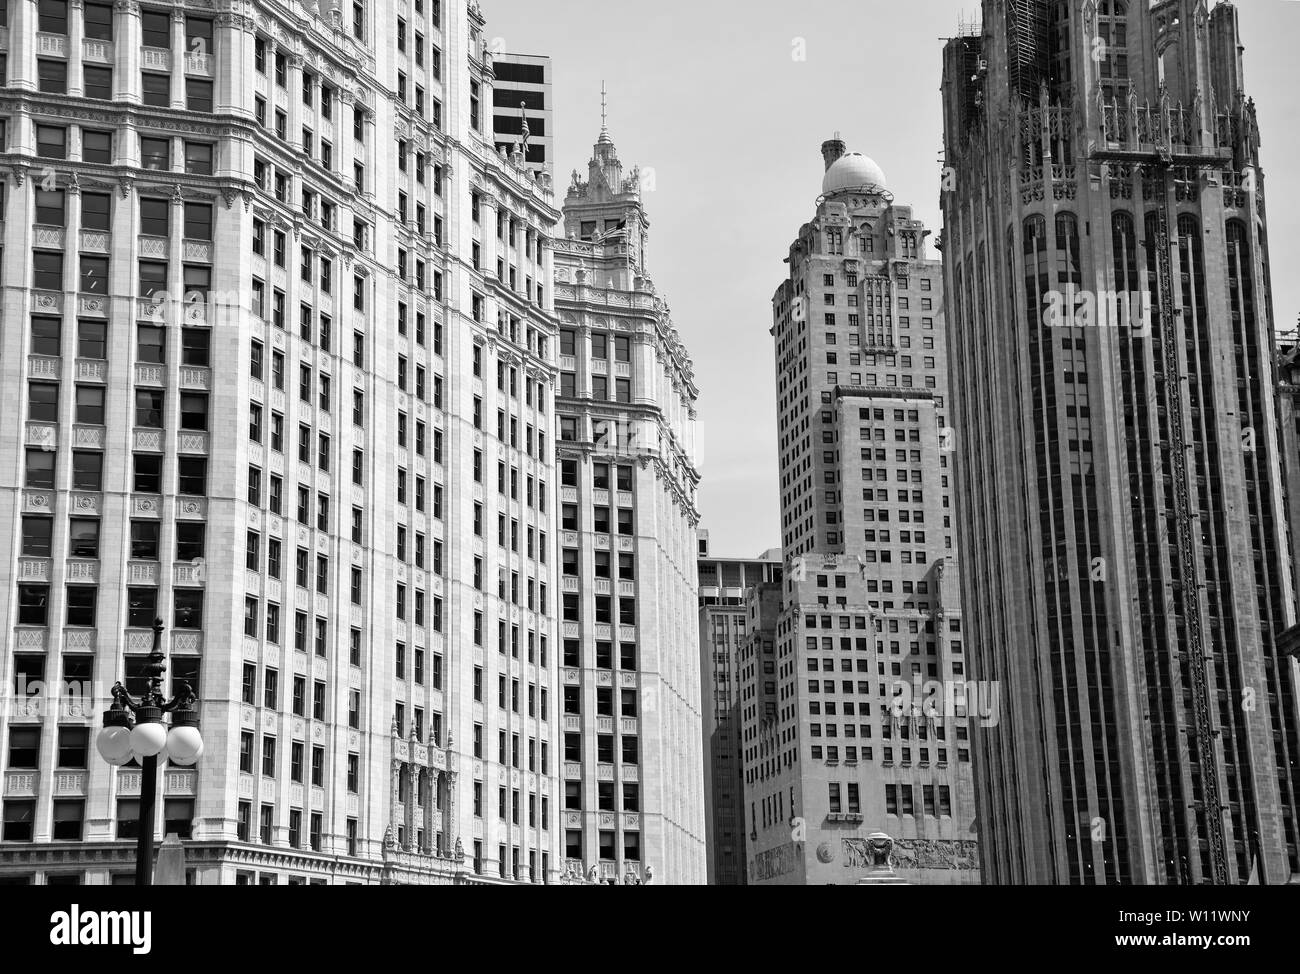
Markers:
point(135, 729)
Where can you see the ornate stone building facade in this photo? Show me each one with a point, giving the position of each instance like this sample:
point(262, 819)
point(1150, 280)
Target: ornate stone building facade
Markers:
point(864, 727)
point(278, 351)
point(1119, 488)
point(632, 773)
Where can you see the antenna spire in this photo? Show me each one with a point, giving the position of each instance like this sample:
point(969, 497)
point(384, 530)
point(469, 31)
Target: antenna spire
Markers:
point(604, 115)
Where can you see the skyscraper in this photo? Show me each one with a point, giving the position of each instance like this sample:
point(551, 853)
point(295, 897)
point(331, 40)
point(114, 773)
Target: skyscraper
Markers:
point(867, 734)
point(522, 93)
point(1288, 434)
point(328, 468)
point(1119, 499)
point(726, 625)
point(632, 773)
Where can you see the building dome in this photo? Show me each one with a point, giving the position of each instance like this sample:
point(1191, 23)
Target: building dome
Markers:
point(852, 171)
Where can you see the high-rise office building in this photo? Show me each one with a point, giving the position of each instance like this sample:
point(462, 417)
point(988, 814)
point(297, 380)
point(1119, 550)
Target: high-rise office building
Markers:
point(725, 625)
point(866, 734)
point(632, 771)
point(1288, 437)
point(328, 469)
point(1119, 498)
point(522, 95)
point(879, 715)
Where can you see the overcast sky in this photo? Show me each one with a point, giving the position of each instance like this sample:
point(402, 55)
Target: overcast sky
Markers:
point(712, 95)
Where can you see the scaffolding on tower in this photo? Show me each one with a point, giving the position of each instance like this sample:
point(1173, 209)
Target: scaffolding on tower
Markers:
point(1027, 45)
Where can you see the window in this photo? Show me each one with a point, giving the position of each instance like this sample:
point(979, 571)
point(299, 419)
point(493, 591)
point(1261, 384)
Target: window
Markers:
point(37, 533)
point(192, 475)
point(93, 274)
point(198, 158)
point(92, 340)
point(153, 277)
point(98, 83)
point(96, 211)
point(156, 30)
point(52, 76)
point(142, 603)
point(90, 405)
point(24, 742)
point(198, 35)
point(40, 469)
point(155, 217)
point(87, 470)
point(46, 336)
point(96, 147)
point(43, 402)
point(68, 819)
point(51, 142)
point(19, 815)
point(198, 221)
point(83, 538)
point(53, 16)
point(156, 89)
point(47, 270)
point(190, 540)
point(149, 408)
point(319, 775)
point(148, 473)
point(98, 20)
point(195, 344)
point(81, 605)
point(155, 153)
point(188, 604)
point(50, 207)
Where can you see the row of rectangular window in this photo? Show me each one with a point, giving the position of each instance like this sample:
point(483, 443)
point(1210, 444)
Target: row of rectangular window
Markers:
point(604, 748)
point(599, 388)
point(155, 88)
point(607, 846)
point(92, 341)
point(513, 817)
point(93, 275)
point(82, 603)
point(43, 406)
point(599, 345)
point(604, 655)
point(248, 763)
point(88, 470)
point(97, 147)
point(29, 670)
point(513, 706)
point(605, 795)
point(97, 23)
point(68, 818)
point(265, 831)
point(83, 538)
point(97, 214)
